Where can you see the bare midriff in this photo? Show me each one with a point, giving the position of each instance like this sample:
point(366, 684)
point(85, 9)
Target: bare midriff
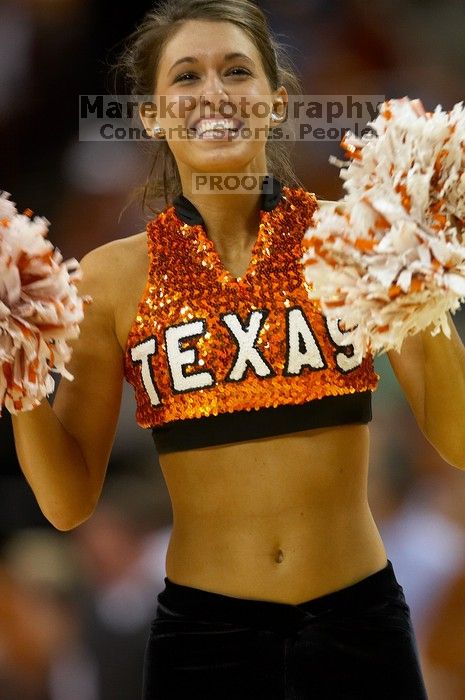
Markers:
point(284, 518)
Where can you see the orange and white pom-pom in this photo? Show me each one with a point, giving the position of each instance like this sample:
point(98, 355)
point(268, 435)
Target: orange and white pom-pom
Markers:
point(39, 309)
point(388, 259)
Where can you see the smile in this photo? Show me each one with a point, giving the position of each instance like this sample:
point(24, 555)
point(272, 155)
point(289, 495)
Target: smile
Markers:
point(216, 128)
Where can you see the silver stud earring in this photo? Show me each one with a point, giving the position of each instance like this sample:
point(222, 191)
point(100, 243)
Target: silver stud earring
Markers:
point(158, 132)
point(275, 117)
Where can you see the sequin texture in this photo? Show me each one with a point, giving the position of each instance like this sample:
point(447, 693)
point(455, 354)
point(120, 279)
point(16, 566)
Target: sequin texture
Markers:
point(187, 282)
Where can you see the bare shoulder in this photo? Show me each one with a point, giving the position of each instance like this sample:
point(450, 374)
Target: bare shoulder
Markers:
point(116, 255)
point(105, 267)
point(114, 275)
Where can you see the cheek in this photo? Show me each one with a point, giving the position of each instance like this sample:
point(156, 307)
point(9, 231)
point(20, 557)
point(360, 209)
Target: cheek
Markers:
point(175, 110)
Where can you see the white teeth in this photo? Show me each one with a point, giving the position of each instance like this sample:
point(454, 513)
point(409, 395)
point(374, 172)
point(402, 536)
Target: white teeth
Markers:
point(214, 124)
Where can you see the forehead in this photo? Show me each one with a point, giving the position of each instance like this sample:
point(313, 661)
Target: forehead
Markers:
point(207, 39)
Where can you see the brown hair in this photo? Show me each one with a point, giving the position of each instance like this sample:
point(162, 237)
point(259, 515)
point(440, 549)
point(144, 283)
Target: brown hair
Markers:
point(138, 62)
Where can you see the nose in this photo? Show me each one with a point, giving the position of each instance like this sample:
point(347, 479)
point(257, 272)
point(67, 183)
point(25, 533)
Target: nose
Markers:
point(213, 92)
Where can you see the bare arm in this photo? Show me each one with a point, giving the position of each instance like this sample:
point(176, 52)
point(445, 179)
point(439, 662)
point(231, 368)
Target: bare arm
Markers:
point(431, 371)
point(64, 450)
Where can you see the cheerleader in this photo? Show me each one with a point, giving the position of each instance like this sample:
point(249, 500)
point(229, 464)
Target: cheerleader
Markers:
point(277, 580)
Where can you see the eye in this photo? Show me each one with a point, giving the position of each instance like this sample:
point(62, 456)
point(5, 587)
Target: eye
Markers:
point(185, 76)
point(244, 71)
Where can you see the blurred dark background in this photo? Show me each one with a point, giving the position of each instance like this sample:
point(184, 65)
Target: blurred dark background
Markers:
point(75, 606)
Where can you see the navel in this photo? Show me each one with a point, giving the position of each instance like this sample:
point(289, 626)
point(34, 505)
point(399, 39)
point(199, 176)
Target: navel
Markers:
point(279, 556)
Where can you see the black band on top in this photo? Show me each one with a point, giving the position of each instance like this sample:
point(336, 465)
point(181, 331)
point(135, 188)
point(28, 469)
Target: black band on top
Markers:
point(247, 425)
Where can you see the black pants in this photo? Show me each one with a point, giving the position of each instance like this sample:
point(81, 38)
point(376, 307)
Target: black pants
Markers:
point(356, 643)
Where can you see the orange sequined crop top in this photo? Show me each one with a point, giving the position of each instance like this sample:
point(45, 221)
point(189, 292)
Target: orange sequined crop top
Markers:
point(215, 358)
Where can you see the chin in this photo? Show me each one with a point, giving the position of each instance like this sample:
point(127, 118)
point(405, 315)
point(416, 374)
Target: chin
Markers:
point(222, 159)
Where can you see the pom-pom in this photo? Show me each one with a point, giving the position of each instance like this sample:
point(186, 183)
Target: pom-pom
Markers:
point(388, 259)
point(39, 309)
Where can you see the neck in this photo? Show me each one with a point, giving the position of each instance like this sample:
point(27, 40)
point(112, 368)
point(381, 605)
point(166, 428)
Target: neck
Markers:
point(230, 220)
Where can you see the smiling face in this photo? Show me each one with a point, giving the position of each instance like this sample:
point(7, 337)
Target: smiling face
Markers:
point(213, 69)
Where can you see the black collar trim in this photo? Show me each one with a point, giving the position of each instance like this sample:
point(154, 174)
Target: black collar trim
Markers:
point(188, 212)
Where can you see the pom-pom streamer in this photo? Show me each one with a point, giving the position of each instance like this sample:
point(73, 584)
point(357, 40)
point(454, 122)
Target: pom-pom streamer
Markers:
point(388, 259)
point(39, 309)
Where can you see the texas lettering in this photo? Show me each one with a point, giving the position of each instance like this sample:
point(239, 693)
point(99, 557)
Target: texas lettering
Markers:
point(302, 351)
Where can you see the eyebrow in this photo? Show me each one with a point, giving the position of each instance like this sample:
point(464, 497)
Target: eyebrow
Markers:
point(227, 57)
